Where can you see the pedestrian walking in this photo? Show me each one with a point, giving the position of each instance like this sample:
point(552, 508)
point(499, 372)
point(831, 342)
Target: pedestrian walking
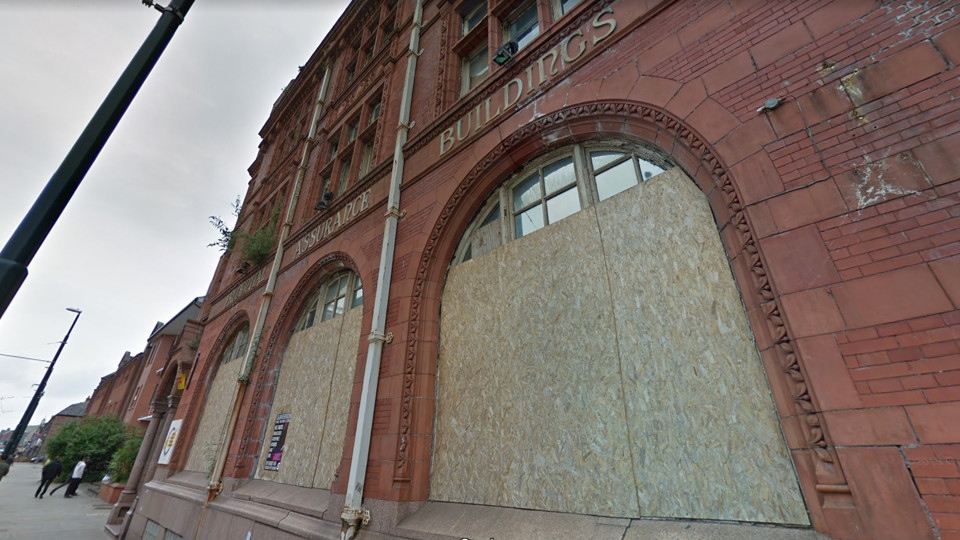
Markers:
point(75, 477)
point(48, 474)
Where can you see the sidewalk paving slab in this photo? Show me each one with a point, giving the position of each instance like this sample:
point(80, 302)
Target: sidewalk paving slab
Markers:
point(23, 517)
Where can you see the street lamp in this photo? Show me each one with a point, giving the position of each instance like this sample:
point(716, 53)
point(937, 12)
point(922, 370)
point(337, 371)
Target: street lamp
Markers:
point(22, 426)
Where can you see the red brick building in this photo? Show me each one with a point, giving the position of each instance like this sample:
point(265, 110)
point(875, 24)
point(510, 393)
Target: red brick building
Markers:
point(114, 393)
point(575, 267)
point(170, 343)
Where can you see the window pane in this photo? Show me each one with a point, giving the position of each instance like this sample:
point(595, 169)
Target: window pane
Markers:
point(602, 159)
point(366, 158)
point(357, 296)
point(151, 531)
point(529, 221)
point(559, 175)
point(332, 290)
point(477, 66)
point(648, 170)
point(328, 311)
point(528, 192)
point(339, 306)
point(615, 180)
point(567, 5)
point(240, 344)
point(473, 18)
point(525, 27)
point(344, 176)
point(494, 215)
point(342, 286)
point(563, 205)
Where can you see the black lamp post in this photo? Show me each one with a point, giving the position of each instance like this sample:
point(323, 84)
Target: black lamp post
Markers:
point(23, 245)
point(11, 447)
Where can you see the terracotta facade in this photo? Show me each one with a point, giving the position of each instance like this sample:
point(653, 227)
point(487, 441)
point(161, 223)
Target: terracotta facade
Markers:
point(823, 135)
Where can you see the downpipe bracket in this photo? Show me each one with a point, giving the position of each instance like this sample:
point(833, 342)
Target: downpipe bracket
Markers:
point(352, 519)
point(213, 490)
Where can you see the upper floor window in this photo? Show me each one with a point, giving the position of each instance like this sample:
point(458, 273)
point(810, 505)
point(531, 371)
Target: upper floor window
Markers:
point(522, 26)
point(473, 13)
point(351, 72)
point(335, 296)
point(556, 186)
point(374, 112)
point(344, 175)
point(334, 146)
point(352, 129)
point(475, 68)
point(561, 7)
point(366, 158)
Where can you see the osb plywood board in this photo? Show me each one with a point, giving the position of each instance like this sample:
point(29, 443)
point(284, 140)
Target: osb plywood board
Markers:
point(311, 388)
point(213, 422)
point(604, 366)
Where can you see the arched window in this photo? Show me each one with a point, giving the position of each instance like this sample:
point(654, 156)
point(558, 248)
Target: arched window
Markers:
point(237, 346)
point(557, 186)
point(341, 292)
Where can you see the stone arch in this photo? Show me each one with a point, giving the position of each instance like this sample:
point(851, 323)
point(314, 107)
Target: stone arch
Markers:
point(699, 160)
point(264, 383)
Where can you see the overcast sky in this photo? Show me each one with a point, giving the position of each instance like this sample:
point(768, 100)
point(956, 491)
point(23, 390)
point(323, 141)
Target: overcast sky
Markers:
point(131, 248)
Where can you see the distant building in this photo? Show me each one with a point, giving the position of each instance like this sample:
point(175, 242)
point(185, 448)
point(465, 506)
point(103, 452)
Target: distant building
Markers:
point(626, 265)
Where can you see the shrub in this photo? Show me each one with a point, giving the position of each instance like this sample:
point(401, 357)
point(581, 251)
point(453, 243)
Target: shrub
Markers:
point(125, 456)
point(95, 437)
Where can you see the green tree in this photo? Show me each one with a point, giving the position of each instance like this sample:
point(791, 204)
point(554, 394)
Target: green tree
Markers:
point(95, 437)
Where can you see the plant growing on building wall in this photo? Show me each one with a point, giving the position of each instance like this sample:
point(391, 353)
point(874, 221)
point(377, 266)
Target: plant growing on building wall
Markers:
point(254, 247)
point(227, 239)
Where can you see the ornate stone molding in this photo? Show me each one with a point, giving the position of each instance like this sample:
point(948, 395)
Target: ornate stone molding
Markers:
point(441, 64)
point(829, 477)
point(384, 104)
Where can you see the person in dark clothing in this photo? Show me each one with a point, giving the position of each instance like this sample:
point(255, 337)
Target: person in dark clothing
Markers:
point(48, 474)
point(4, 465)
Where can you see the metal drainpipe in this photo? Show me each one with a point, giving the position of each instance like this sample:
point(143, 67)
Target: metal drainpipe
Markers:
point(353, 513)
point(216, 485)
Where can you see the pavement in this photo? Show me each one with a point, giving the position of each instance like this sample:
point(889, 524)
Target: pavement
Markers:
point(22, 517)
